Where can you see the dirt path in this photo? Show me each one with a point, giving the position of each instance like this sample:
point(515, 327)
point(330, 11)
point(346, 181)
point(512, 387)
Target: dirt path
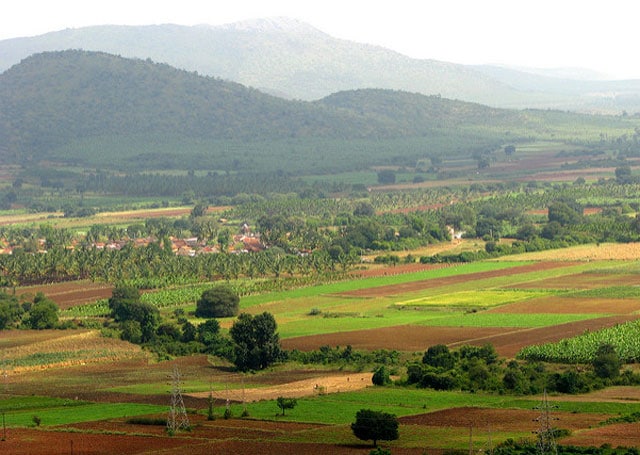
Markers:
point(295, 389)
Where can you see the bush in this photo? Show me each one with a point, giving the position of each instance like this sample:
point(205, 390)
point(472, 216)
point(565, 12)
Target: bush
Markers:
point(159, 421)
point(381, 376)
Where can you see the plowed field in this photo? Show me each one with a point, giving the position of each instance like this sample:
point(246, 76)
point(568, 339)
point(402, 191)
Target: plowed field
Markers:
point(507, 341)
point(70, 294)
point(570, 305)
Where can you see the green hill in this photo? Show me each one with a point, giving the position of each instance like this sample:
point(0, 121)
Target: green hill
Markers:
point(98, 110)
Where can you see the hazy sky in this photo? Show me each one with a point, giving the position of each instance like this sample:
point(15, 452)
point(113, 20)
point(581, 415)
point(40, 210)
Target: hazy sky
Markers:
point(535, 33)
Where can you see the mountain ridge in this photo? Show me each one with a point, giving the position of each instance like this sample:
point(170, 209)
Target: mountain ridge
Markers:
point(293, 59)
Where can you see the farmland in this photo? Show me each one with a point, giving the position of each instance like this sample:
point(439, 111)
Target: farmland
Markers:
point(405, 310)
point(538, 248)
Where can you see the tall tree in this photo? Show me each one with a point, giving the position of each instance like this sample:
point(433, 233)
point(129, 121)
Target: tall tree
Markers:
point(375, 426)
point(256, 342)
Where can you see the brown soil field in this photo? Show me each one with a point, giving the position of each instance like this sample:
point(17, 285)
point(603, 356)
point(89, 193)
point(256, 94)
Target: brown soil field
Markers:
point(622, 434)
point(71, 293)
point(295, 389)
point(618, 394)
point(507, 341)
point(40, 442)
point(413, 286)
point(500, 419)
point(234, 436)
point(395, 270)
point(410, 338)
point(586, 211)
point(570, 305)
point(582, 281)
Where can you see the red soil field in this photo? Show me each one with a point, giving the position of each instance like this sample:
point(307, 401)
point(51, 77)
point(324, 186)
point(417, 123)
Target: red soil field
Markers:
point(402, 338)
point(72, 293)
point(500, 419)
point(622, 434)
point(582, 281)
point(507, 341)
point(396, 270)
point(221, 436)
point(452, 280)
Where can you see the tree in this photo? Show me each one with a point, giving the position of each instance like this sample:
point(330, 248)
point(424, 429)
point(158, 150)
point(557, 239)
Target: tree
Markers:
point(439, 356)
point(509, 149)
point(606, 363)
point(375, 426)
point(10, 310)
point(199, 210)
point(125, 305)
point(43, 314)
point(256, 342)
point(286, 403)
point(565, 213)
point(218, 302)
point(386, 177)
point(120, 296)
point(623, 174)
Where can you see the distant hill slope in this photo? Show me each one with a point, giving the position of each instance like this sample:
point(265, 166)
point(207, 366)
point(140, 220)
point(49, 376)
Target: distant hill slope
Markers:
point(59, 96)
point(95, 109)
point(292, 59)
point(57, 101)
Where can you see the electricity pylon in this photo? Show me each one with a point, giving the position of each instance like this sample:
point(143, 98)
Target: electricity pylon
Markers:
point(178, 419)
point(546, 443)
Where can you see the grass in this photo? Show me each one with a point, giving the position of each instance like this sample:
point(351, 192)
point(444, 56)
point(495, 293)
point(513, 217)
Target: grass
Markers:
point(52, 411)
point(613, 292)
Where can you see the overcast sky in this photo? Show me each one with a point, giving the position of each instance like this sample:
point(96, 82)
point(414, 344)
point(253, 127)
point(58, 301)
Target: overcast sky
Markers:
point(535, 33)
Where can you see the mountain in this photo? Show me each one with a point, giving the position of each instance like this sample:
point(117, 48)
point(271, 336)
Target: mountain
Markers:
point(292, 59)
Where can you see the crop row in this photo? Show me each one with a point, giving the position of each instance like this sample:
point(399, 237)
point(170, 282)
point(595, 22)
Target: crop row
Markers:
point(582, 348)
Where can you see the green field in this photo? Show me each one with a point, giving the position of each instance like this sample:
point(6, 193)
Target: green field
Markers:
point(19, 411)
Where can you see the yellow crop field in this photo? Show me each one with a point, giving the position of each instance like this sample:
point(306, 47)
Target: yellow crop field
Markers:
point(590, 252)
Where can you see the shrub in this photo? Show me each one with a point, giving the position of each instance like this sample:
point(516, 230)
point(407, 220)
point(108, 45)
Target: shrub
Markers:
point(381, 376)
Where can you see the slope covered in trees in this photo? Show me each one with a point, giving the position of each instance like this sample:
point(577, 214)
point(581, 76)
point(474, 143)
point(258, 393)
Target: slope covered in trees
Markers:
point(99, 110)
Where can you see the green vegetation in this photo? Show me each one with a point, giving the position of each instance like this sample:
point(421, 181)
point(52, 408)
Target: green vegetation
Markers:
point(218, 302)
point(583, 348)
point(309, 219)
point(375, 426)
point(19, 412)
